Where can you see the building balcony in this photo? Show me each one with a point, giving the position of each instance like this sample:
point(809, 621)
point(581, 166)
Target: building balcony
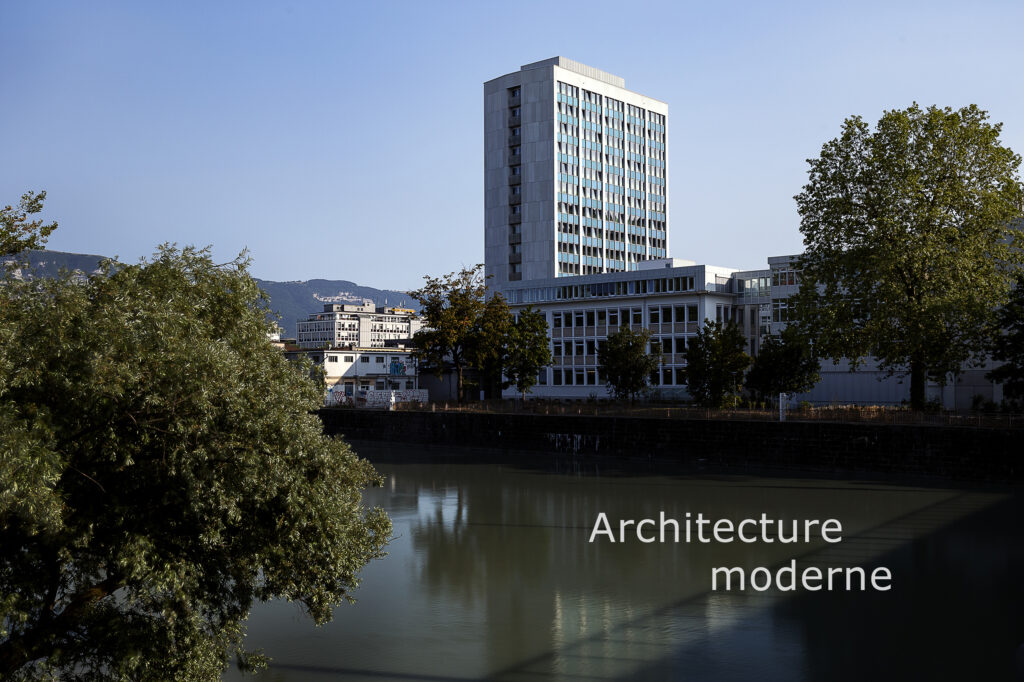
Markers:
point(514, 258)
point(515, 140)
point(515, 179)
point(515, 100)
point(515, 218)
point(514, 121)
point(515, 276)
point(515, 199)
point(514, 159)
point(515, 239)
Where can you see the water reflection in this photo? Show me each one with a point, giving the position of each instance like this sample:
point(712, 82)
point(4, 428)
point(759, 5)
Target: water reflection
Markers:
point(491, 575)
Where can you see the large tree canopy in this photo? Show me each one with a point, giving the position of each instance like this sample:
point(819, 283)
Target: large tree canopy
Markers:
point(527, 349)
point(162, 469)
point(17, 232)
point(625, 364)
point(452, 307)
point(907, 235)
point(716, 360)
point(785, 363)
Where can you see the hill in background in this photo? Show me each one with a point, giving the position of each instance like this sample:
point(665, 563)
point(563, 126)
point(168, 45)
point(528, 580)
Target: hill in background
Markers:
point(290, 300)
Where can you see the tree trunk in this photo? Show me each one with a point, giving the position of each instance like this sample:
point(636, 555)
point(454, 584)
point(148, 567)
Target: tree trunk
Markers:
point(917, 382)
point(458, 382)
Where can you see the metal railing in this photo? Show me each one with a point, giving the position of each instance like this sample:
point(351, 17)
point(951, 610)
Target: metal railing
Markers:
point(841, 414)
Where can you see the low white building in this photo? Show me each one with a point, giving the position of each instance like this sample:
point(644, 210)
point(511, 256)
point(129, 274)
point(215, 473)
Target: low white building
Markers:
point(672, 298)
point(366, 375)
point(356, 326)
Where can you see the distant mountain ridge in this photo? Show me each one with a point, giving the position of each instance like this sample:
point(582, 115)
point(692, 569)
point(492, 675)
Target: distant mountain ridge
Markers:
point(291, 300)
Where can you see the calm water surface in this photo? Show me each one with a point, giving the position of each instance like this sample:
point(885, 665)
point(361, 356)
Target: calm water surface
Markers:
point(491, 576)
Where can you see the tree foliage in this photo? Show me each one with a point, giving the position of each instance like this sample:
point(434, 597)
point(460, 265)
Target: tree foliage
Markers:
point(715, 364)
point(1008, 346)
point(785, 363)
point(908, 240)
point(625, 363)
point(488, 342)
point(451, 306)
point(527, 350)
point(17, 232)
point(162, 469)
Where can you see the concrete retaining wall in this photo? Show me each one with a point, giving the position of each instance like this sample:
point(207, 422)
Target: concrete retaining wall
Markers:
point(953, 452)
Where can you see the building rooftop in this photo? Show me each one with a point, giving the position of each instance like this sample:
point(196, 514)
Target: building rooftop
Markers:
point(582, 69)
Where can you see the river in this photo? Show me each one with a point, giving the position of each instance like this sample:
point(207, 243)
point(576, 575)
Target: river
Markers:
point(491, 575)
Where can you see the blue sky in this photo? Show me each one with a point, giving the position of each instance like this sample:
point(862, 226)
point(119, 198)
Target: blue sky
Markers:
point(344, 140)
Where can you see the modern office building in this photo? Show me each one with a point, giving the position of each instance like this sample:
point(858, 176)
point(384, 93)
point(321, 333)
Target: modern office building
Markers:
point(576, 174)
point(576, 226)
point(671, 298)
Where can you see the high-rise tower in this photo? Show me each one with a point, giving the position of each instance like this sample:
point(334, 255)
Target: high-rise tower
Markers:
point(575, 173)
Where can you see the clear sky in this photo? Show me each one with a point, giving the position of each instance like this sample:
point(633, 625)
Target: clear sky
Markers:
point(345, 140)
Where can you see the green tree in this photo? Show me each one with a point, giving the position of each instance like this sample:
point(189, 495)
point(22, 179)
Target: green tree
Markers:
point(487, 344)
point(1008, 346)
point(625, 364)
point(451, 306)
point(163, 469)
point(527, 350)
point(785, 363)
point(908, 241)
point(715, 364)
point(17, 232)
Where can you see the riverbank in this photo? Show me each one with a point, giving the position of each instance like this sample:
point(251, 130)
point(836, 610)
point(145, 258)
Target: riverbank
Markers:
point(962, 453)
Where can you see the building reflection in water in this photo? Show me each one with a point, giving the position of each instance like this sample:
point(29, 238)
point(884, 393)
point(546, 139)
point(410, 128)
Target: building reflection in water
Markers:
point(491, 575)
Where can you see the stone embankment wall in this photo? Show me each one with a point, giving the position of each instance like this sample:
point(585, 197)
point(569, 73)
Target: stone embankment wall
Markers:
point(953, 452)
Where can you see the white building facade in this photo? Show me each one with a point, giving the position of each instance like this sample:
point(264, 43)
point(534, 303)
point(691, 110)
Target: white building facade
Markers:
point(356, 326)
point(575, 174)
point(672, 299)
point(364, 375)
